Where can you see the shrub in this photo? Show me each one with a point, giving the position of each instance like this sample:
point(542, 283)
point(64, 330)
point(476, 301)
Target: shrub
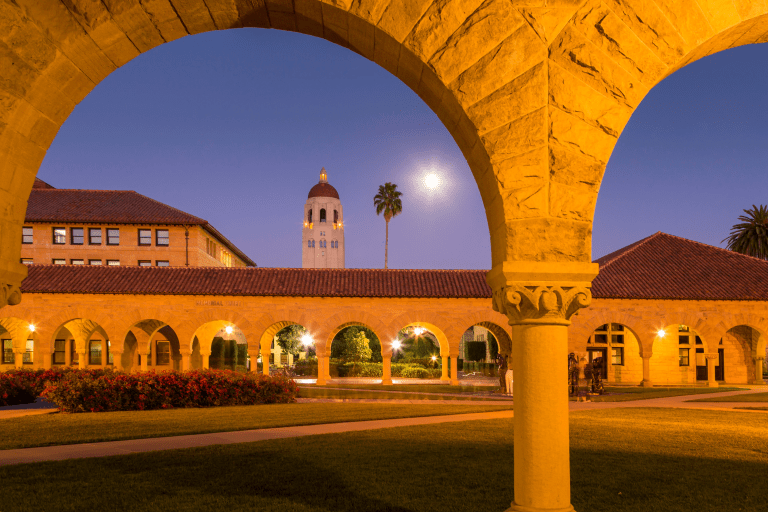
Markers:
point(84, 391)
point(475, 350)
point(24, 386)
point(306, 367)
point(415, 373)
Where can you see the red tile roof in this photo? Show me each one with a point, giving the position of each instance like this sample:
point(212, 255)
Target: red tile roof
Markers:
point(664, 266)
point(658, 267)
point(256, 281)
point(41, 184)
point(53, 205)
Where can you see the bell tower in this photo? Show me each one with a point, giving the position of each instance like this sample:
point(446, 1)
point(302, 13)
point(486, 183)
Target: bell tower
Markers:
point(322, 235)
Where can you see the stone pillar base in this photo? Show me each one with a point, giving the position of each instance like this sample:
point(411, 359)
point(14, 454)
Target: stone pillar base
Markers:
point(713, 384)
point(758, 382)
point(646, 384)
point(519, 508)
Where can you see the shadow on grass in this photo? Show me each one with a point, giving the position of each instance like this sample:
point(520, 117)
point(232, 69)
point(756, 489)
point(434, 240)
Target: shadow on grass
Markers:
point(448, 467)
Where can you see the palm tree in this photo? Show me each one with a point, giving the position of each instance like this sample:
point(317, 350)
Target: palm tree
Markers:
point(388, 201)
point(751, 236)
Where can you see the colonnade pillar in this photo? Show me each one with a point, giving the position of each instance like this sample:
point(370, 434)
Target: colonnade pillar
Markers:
point(386, 376)
point(186, 359)
point(253, 355)
point(266, 349)
point(82, 358)
point(67, 352)
point(206, 360)
point(711, 361)
point(117, 360)
point(321, 381)
point(646, 383)
point(144, 358)
point(18, 358)
point(759, 370)
point(455, 370)
point(539, 299)
point(47, 360)
point(445, 377)
point(326, 367)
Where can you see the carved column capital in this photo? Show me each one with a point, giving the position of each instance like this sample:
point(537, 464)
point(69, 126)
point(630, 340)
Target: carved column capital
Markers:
point(759, 358)
point(541, 304)
point(541, 293)
point(712, 357)
point(11, 276)
point(10, 295)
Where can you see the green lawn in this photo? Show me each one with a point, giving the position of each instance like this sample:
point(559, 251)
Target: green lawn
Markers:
point(637, 393)
point(622, 461)
point(385, 394)
point(416, 388)
point(751, 397)
point(57, 428)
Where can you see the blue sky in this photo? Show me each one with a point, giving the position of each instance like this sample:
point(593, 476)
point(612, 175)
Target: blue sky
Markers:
point(234, 127)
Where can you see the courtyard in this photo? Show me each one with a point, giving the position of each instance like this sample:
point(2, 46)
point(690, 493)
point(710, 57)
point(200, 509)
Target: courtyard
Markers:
point(667, 454)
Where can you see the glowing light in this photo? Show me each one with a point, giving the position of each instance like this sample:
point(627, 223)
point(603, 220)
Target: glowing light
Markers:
point(306, 340)
point(31, 327)
point(661, 333)
point(228, 329)
point(418, 331)
point(432, 181)
point(434, 358)
point(396, 345)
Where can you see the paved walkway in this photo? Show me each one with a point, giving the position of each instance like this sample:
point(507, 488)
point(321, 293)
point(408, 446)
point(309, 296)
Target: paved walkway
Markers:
point(79, 451)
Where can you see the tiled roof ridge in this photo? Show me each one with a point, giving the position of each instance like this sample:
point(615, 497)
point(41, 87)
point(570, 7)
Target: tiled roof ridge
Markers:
point(52, 190)
point(252, 269)
point(727, 251)
point(624, 251)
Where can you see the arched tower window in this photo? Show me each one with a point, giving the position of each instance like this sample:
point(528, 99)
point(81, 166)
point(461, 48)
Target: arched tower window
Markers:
point(322, 214)
point(309, 216)
point(313, 243)
point(309, 244)
point(335, 216)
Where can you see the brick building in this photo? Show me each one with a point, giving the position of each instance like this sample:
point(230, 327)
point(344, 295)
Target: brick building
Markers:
point(119, 227)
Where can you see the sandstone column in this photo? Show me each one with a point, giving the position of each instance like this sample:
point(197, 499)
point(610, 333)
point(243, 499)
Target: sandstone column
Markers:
point(711, 363)
point(321, 381)
point(47, 360)
point(253, 354)
point(68, 352)
point(386, 376)
point(646, 383)
point(18, 356)
point(454, 370)
point(82, 358)
point(445, 377)
point(206, 360)
point(144, 357)
point(539, 299)
point(758, 370)
point(266, 349)
point(117, 360)
point(186, 360)
point(326, 367)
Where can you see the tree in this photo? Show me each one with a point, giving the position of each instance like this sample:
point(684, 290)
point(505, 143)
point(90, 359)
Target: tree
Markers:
point(750, 237)
point(357, 349)
point(388, 201)
point(345, 337)
point(289, 338)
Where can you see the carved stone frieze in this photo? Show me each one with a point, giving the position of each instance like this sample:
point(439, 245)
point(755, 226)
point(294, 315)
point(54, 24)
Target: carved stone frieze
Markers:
point(543, 304)
point(10, 295)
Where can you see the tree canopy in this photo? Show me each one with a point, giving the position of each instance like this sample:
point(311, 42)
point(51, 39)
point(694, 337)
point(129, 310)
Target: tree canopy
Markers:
point(750, 236)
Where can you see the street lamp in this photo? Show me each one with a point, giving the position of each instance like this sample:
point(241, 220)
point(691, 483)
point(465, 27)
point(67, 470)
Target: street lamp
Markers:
point(418, 331)
point(661, 333)
point(306, 340)
point(228, 329)
point(31, 327)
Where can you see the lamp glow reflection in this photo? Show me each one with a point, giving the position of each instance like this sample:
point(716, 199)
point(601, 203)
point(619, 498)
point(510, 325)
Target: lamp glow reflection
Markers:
point(434, 358)
point(228, 329)
point(31, 327)
point(396, 345)
point(661, 333)
point(418, 331)
point(306, 340)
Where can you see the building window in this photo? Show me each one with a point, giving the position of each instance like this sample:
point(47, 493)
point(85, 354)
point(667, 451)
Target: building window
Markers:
point(685, 356)
point(26, 235)
point(145, 237)
point(76, 236)
point(309, 244)
point(309, 216)
point(617, 356)
point(57, 261)
point(313, 244)
point(27, 261)
point(94, 236)
point(163, 353)
point(110, 357)
point(59, 352)
point(601, 338)
point(162, 263)
point(335, 217)
point(94, 353)
point(161, 237)
point(29, 352)
point(59, 236)
point(94, 262)
point(77, 262)
point(210, 247)
point(617, 338)
point(145, 263)
point(113, 236)
point(113, 263)
point(322, 214)
point(684, 340)
point(8, 352)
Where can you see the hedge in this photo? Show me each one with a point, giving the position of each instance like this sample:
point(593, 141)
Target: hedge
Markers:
point(24, 386)
point(115, 391)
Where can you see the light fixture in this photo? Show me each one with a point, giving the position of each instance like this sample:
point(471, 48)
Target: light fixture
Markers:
point(396, 345)
point(31, 327)
point(418, 331)
point(434, 358)
point(306, 340)
point(661, 333)
point(228, 329)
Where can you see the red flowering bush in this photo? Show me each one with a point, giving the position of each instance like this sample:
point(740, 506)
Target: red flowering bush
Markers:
point(116, 391)
point(24, 386)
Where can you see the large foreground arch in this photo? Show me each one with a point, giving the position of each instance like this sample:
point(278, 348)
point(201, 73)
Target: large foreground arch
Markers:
point(535, 94)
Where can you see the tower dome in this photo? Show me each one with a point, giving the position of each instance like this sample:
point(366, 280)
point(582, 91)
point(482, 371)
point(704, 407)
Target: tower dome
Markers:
point(323, 188)
point(322, 237)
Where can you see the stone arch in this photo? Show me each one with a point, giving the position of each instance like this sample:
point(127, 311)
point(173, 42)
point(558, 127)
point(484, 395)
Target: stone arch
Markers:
point(432, 322)
point(497, 324)
point(340, 321)
point(641, 328)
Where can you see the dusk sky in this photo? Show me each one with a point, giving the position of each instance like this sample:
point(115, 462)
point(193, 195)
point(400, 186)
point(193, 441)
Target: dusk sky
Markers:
point(234, 126)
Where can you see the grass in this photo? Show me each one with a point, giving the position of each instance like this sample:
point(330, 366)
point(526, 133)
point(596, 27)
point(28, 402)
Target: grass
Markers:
point(385, 394)
point(622, 461)
point(751, 397)
point(637, 393)
point(57, 428)
point(416, 388)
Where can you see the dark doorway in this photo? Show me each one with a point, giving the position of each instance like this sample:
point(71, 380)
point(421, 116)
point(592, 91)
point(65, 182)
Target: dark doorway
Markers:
point(701, 365)
point(720, 368)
